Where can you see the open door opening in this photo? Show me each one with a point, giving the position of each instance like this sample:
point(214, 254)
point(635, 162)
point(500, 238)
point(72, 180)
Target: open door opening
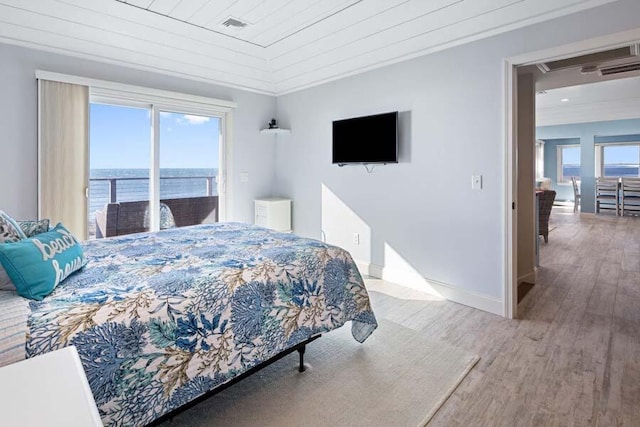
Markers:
point(557, 151)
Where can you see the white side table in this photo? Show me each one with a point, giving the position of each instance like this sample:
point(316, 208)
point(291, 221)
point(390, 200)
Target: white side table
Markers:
point(274, 213)
point(47, 390)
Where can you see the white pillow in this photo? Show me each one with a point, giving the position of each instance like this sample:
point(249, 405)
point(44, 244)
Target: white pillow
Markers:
point(10, 231)
point(5, 283)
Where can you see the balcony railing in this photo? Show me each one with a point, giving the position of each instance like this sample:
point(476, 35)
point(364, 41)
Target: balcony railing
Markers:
point(192, 199)
point(113, 184)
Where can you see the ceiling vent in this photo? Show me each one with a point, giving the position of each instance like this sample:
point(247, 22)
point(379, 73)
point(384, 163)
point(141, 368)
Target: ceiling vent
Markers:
point(590, 59)
point(619, 69)
point(236, 23)
point(589, 69)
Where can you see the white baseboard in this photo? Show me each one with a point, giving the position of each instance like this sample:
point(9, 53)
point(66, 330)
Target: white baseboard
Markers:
point(529, 278)
point(412, 280)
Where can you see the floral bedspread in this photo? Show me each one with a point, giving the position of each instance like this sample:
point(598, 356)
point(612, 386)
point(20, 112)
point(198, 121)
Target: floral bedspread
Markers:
point(161, 318)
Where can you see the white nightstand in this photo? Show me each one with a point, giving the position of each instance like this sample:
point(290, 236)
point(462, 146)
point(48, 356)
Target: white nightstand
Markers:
point(49, 390)
point(273, 212)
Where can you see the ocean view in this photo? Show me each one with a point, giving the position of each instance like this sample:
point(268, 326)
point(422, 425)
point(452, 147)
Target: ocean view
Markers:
point(609, 170)
point(133, 185)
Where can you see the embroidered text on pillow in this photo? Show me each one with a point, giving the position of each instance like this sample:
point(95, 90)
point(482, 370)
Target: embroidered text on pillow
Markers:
point(57, 246)
point(69, 268)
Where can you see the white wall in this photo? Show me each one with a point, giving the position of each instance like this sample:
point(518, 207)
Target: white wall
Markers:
point(451, 128)
point(252, 152)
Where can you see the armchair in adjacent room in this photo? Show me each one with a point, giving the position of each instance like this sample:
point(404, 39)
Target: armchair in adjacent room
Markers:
point(545, 203)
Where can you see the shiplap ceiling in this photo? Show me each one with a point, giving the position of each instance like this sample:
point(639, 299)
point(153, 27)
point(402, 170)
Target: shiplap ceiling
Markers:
point(286, 45)
point(594, 102)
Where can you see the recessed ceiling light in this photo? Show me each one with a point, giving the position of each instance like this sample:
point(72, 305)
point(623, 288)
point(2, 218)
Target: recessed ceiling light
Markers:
point(564, 100)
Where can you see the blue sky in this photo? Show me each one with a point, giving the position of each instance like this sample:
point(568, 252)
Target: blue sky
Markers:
point(121, 139)
point(571, 156)
point(621, 154)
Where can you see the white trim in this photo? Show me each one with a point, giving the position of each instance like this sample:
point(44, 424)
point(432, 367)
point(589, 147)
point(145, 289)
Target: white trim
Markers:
point(134, 66)
point(433, 287)
point(39, 119)
point(123, 91)
point(597, 160)
point(530, 277)
point(154, 173)
point(225, 187)
point(559, 52)
point(539, 158)
point(510, 221)
point(476, 300)
point(583, 47)
point(603, 144)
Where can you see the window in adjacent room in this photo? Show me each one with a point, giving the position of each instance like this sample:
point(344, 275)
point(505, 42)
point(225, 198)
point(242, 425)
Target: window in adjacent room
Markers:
point(568, 162)
point(618, 160)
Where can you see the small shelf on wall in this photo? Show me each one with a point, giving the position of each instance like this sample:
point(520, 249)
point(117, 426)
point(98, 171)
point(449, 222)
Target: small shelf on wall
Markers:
point(275, 131)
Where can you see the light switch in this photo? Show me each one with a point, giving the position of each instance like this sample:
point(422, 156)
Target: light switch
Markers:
point(476, 182)
point(244, 176)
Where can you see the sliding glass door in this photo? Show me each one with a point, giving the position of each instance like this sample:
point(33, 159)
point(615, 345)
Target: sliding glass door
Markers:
point(189, 148)
point(119, 170)
point(152, 169)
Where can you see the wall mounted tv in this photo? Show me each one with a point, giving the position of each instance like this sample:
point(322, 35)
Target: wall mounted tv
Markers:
point(364, 140)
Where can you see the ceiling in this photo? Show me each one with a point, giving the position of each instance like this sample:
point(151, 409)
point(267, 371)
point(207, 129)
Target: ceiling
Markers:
point(602, 101)
point(267, 22)
point(286, 45)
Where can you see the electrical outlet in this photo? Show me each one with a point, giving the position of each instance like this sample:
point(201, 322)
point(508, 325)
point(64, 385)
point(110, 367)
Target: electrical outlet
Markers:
point(476, 182)
point(244, 176)
point(356, 239)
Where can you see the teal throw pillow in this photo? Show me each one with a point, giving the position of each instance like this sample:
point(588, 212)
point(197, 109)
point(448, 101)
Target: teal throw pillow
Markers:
point(38, 264)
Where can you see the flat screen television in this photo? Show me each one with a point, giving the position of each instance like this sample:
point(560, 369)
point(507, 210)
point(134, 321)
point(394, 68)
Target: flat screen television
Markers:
point(369, 139)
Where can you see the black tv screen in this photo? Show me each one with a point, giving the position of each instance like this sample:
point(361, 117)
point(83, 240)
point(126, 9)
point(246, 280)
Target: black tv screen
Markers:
point(369, 139)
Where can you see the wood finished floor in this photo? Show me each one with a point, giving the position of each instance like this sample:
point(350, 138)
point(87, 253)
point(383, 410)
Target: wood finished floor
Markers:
point(573, 359)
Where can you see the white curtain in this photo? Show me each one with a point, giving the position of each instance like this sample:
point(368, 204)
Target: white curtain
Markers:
point(63, 154)
point(539, 159)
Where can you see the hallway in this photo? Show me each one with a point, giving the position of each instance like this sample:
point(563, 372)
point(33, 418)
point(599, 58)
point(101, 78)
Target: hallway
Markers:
point(572, 359)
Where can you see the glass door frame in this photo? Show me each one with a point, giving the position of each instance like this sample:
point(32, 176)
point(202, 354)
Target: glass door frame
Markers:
point(154, 181)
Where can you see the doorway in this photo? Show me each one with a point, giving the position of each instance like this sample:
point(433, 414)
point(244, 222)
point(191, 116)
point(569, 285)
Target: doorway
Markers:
point(520, 201)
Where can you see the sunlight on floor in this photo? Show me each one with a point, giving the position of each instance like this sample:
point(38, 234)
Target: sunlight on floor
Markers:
point(398, 291)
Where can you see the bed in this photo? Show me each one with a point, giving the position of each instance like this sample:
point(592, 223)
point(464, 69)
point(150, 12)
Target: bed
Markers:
point(160, 319)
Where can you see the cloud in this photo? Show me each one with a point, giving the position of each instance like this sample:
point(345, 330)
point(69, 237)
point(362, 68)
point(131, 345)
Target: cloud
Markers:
point(194, 120)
